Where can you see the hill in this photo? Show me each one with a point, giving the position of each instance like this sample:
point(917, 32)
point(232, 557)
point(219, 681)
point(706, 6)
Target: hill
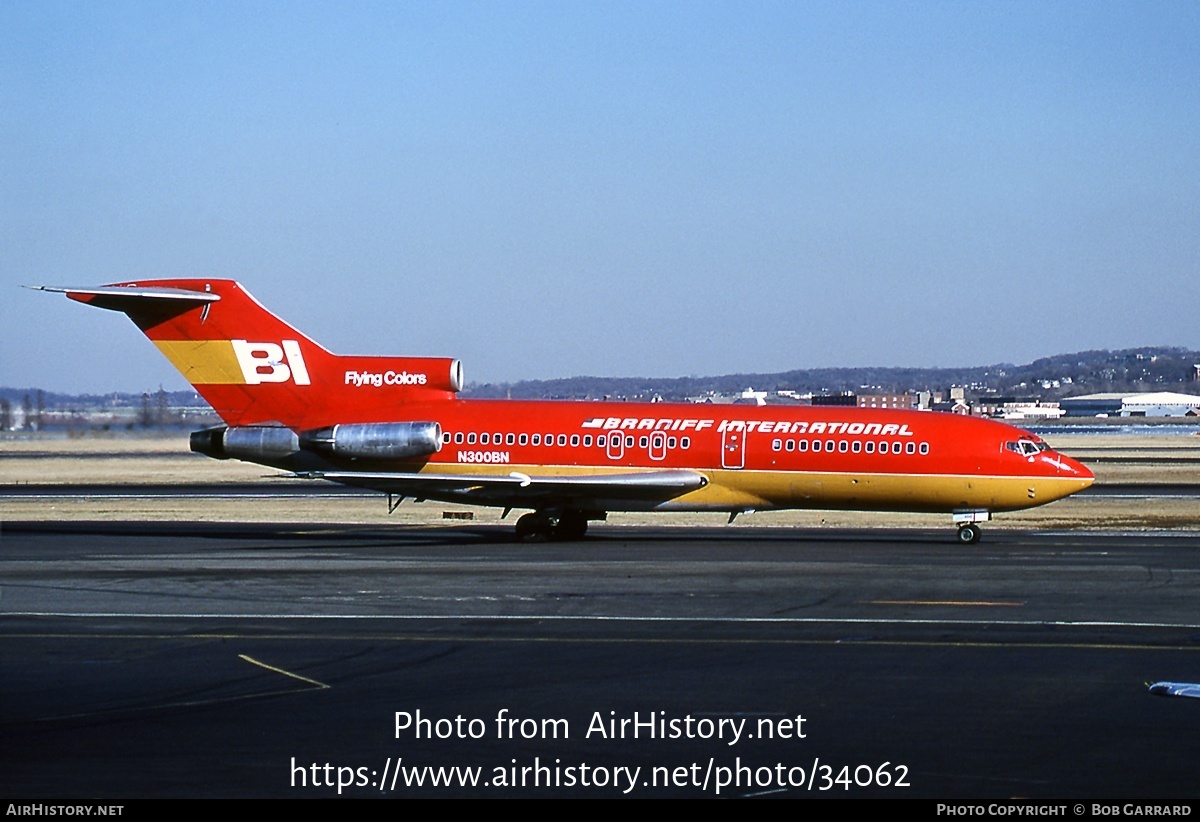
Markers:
point(1084, 372)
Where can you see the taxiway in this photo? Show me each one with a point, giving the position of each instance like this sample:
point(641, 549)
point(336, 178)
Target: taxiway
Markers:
point(185, 659)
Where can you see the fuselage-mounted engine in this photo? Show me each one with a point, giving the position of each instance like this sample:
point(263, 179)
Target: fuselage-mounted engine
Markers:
point(375, 440)
point(276, 445)
point(254, 443)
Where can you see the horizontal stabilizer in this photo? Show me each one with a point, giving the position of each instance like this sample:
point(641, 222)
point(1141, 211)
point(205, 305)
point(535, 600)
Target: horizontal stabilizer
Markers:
point(123, 298)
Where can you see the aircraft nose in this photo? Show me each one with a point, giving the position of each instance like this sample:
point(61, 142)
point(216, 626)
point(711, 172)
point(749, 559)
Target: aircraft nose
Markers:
point(1071, 467)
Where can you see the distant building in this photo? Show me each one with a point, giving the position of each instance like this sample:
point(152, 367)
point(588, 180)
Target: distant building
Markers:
point(836, 399)
point(1031, 411)
point(1093, 405)
point(885, 401)
point(928, 400)
point(1159, 404)
point(982, 408)
point(749, 397)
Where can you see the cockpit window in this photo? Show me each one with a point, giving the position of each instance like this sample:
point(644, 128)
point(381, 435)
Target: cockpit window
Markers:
point(1026, 448)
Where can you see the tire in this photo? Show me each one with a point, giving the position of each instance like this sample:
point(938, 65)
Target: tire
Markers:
point(969, 534)
point(533, 528)
point(571, 526)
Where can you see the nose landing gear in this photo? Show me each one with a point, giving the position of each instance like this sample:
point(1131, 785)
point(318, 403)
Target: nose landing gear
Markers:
point(969, 531)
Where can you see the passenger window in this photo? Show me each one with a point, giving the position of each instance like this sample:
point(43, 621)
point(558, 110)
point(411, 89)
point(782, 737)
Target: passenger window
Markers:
point(816, 445)
point(870, 446)
point(776, 445)
point(458, 437)
point(471, 438)
point(856, 446)
point(574, 439)
point(509, 439)
point(587, 440)
point(483, 439)
point(843, 446)
point(524, 439)
point(802, 445)
point(910, 448)
point(562, 439)
point(536, 439)
point(685, 443)
point(924, 448)
point(446, 438)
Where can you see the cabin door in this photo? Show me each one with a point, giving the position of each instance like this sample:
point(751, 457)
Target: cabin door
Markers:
point(733, 449)
point(658, 446)
point(616, 445)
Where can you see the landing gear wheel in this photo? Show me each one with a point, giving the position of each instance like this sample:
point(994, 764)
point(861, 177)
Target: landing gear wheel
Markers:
point(969, 533)
point(539, 526)
point(533, 528)
point(570, 527)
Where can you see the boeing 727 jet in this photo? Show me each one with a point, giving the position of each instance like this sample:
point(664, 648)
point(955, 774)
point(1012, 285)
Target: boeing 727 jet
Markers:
point(397, 425)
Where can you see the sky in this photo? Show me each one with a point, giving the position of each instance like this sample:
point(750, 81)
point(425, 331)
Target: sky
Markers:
point(548, 189)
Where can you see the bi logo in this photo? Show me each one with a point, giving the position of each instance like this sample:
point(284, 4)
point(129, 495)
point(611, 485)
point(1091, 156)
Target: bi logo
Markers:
point(267, 362)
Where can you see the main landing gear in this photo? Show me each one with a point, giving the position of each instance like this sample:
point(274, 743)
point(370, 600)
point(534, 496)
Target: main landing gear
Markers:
point(559, 526)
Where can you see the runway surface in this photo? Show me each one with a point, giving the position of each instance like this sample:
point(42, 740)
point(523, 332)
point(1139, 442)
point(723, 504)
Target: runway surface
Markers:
point(182, 659)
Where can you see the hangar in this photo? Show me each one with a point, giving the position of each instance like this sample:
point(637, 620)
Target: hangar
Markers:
point(1159, 404)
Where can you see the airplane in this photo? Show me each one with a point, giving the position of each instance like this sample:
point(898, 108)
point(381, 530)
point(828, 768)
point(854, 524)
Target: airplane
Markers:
point(396, 425)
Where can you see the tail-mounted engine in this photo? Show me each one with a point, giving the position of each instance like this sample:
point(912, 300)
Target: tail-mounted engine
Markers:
point(375, 440)
point(399, 376)
point(368, 441)
point(247, 442)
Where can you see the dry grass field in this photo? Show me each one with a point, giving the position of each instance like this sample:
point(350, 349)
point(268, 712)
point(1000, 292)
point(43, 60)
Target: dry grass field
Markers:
point(1115, 459)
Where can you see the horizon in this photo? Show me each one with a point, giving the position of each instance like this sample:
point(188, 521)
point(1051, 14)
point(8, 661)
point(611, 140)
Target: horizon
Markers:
point(185, 387)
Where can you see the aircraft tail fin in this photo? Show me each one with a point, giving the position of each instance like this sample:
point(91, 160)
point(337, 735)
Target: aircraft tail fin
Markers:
point(254, 368)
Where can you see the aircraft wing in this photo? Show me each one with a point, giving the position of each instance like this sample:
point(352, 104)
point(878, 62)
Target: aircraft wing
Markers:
point(523, 490)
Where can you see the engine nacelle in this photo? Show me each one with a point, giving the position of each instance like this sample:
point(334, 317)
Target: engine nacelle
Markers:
point(376, 440)
point(436, 372)
point(247, 442)
point(455, 378)
point(402, 375)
